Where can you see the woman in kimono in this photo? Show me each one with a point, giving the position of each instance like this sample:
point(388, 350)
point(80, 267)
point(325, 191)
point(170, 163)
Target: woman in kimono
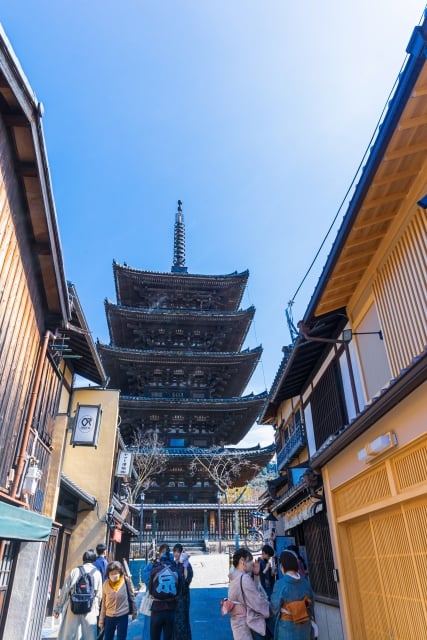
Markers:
point(292, 598)
point(251, 608)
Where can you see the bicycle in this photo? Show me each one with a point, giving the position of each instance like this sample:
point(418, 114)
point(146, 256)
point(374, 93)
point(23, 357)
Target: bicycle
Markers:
point(254, 540)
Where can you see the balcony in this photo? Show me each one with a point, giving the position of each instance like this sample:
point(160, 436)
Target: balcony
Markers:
point(292, 447)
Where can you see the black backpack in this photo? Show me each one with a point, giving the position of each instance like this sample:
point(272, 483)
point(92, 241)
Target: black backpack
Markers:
point(163, 582)
point(82, 594)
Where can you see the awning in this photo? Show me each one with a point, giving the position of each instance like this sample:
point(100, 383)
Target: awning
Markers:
point(19, 524)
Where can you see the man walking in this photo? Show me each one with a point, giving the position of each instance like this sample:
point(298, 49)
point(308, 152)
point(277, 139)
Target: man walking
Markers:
point(101, 561)
point(80, 625)
point(163, 586)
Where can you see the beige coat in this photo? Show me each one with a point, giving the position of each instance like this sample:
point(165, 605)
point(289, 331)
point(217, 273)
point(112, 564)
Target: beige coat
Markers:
point(252, 606)
point(79, 627)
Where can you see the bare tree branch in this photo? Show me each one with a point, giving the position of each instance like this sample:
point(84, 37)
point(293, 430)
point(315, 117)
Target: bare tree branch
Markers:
point(149, 460)
point(223, 466)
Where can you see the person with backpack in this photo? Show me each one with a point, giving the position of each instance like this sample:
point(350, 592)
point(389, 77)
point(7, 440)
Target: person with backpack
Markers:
point(164, 586)
point(118, 602)
point(79, 601)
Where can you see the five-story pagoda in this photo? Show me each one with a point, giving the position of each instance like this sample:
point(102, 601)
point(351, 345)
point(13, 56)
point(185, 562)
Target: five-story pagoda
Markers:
point(176, 355)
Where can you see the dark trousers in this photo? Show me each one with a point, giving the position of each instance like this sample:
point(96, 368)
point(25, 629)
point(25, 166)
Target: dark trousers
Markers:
point(162, 621)
point(111, 624)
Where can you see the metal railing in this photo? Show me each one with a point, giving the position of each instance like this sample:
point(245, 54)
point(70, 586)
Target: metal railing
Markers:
point(294, 444)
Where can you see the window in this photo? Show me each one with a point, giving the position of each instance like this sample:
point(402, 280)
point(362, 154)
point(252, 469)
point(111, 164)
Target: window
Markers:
point(327, 405)
point(177, 442)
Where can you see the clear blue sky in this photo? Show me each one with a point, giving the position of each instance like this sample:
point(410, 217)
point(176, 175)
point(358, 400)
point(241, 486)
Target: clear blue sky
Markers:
point(255, 114)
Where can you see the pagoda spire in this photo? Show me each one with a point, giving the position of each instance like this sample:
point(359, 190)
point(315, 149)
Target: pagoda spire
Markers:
point(179, 242)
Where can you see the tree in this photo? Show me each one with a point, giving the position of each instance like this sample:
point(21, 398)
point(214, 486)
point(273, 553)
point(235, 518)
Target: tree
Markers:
point(223, 466)
point(149, 460)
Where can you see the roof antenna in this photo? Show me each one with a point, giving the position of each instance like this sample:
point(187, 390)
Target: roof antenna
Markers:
point(179, 242)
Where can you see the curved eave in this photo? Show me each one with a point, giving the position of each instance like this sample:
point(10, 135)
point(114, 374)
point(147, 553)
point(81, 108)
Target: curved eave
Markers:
point(298, 365)
point(198, 358)
point(20, 113)
point(247, 452)
point(88, 365)
point(387, 185)
point(119, 317)
point(197, 405)
point(235, 282)
point(77, 491)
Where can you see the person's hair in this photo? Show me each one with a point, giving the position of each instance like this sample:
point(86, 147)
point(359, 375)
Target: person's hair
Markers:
point(241, 553)
point(164, 548)
point(114, 566)
point(101, 548)
point(178, 547)
point(89, 556)
point(268, 549)
point(288, 561)
point(294, 549)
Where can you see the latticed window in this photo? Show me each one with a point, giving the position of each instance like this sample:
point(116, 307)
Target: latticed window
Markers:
point(319, 555)
point(327, 404)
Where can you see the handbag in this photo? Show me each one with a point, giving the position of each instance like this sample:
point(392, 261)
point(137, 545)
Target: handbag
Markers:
point(145, 606)
point(226, 606)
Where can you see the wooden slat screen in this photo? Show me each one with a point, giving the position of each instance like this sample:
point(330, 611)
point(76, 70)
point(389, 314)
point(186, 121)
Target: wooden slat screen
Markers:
point(401, 295)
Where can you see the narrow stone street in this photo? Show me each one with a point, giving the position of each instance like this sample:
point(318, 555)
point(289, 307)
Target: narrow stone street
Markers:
point(210, 584)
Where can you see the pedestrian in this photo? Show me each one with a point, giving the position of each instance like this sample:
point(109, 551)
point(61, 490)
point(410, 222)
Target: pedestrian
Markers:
point(272, 538)
point(302, 567)
point(251, 609)
point(163, 586)
point(182, 628)
point(73, 625)
point(265, 567)
point(118, 602)
point(292, 601)
point(101, 561)
point(164, 550)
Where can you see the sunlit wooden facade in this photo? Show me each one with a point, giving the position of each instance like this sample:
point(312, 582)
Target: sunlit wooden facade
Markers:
point(354, 384)
point(44, 343)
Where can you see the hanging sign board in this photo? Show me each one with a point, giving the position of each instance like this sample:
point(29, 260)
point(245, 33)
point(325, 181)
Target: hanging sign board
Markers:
point(124, 464)
point(86, 425)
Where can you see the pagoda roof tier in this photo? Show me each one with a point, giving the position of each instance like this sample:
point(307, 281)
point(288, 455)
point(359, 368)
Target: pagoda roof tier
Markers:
point(228, 419)
point(156, 290)
point(200, 374)
point(178, 328)
point(178, 460)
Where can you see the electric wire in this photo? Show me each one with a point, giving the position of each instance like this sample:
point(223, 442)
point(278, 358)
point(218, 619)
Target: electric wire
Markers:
point(358, 170)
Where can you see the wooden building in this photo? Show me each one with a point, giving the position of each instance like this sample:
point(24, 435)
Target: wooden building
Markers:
point(45, 344)
point(350, 397)
point(176, 355)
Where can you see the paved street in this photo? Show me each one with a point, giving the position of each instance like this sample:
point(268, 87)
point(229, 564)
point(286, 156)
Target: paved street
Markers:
point(208, 587)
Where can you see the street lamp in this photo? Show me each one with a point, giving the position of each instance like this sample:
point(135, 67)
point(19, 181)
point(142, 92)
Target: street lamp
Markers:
point(141, 520)
point(218, 495)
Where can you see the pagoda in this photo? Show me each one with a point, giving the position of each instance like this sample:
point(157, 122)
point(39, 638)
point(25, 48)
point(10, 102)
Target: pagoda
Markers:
point(176, 354)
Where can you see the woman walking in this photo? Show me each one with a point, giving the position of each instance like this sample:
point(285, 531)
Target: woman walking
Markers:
point(251, 608)
point(293, 601)
point(118, 603)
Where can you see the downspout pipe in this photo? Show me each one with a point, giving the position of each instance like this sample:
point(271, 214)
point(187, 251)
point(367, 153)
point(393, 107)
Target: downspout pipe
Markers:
point(20, 463)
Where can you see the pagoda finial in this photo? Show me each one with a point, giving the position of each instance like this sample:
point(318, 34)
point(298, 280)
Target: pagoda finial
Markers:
point(179, 242)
